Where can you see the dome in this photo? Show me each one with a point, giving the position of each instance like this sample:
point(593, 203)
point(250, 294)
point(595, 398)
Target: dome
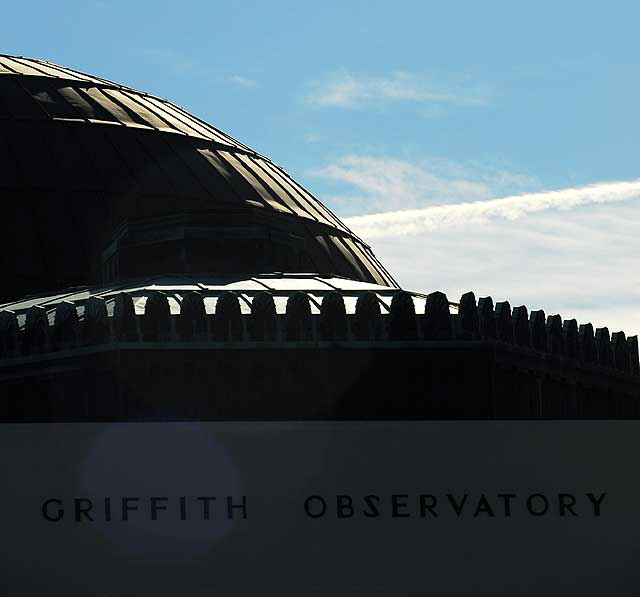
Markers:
point(102, 183)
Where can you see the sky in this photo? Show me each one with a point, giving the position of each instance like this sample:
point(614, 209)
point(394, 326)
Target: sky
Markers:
point(487, 146)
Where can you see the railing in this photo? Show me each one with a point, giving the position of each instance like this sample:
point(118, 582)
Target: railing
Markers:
point(474, 321)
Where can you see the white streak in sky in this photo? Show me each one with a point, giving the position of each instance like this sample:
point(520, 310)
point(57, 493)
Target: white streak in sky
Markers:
point(343, 90)
point(417, 221)
point(241, 81)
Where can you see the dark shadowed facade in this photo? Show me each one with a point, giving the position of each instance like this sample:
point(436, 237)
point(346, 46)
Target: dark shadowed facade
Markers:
point(157, 269)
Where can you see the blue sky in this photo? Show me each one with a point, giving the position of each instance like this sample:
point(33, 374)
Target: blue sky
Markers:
point(378, 107)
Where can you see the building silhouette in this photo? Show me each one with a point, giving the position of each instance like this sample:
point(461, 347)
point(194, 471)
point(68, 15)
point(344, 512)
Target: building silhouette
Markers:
point(158, 269)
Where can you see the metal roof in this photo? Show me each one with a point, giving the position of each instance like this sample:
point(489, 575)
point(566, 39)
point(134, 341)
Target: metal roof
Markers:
point(85, 148)
point(77, 90)
point(38, 90)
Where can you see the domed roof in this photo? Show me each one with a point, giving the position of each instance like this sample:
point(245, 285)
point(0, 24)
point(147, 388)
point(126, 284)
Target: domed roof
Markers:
point(102, 182)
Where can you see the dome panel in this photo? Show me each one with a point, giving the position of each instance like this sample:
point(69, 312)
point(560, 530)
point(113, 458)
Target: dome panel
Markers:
point(137, 183)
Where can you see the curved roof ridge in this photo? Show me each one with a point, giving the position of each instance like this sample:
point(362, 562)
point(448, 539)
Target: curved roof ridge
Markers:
point(80, 75)
point(12, 66)
point(74, 74)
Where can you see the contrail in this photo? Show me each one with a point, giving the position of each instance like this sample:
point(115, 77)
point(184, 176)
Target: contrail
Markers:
point(416, 221)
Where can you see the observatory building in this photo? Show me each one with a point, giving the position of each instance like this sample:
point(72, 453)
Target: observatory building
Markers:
point(157, 269)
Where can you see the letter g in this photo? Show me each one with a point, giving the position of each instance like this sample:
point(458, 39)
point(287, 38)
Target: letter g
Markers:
point(59, 513)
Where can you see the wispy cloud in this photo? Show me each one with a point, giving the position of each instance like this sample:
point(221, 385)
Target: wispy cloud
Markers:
point(310, 138)
point(241, 81)
point(416, 221)
point(184, 65)
point(571, 251)
point(374, 183)
point(580, 263)
point(344, 90)
point(177, 63)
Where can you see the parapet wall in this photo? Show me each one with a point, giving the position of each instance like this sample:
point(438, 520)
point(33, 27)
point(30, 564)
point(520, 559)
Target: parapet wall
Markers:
point(308, 357)
point(373, 321)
